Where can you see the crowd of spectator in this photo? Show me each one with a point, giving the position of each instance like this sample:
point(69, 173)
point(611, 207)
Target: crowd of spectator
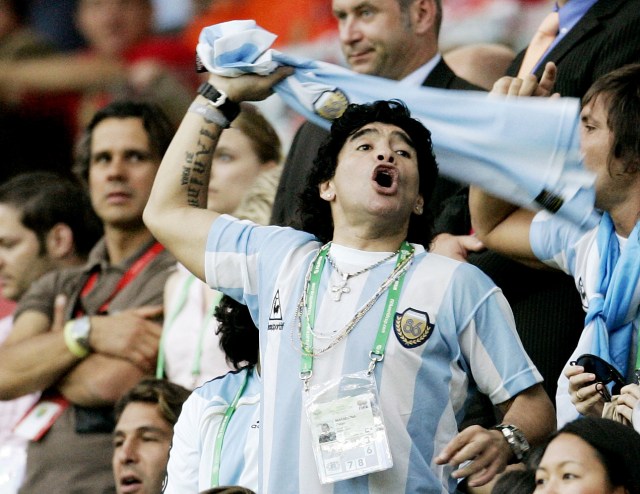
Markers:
point(192, 277)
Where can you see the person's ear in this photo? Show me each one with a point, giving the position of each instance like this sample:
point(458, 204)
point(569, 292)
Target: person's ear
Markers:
point(418, 207)
point(326, 191)
point(423, 15)
point(59, 241)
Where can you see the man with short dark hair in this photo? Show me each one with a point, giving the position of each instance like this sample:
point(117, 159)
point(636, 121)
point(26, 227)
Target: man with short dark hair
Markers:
point(145, 417)
point(46, 223)
point(111, 316)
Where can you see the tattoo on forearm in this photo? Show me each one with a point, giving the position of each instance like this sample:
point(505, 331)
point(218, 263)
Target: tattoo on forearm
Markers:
point(195, 173)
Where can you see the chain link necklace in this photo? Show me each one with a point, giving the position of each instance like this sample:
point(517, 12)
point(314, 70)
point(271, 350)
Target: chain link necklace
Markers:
point(340, 287)
point(302, 311)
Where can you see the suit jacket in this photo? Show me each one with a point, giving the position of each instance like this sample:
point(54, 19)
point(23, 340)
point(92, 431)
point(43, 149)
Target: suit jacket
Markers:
point(607, 37)
point(448, 198)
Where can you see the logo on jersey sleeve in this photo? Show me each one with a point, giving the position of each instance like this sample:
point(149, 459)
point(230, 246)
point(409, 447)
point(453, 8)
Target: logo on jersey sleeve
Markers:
point(412, 327)
point(275, 317)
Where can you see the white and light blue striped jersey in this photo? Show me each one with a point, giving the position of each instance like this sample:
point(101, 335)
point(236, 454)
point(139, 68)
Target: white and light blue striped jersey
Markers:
point(453, 333)
point(194, 436)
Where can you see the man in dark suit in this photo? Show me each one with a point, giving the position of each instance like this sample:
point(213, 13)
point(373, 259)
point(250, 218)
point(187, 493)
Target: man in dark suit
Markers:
point(395, 39)
point(595, 38)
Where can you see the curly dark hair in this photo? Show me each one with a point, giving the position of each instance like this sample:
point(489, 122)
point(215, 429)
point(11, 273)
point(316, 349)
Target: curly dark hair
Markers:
point(315, 213)
point(238, 334)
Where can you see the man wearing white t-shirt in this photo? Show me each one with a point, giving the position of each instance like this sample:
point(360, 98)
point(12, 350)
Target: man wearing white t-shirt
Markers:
point(603, 261)
point(359, 328)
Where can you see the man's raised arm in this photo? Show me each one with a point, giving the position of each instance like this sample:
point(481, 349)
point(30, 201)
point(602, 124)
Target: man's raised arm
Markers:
point(502, 226)
point(175, 212)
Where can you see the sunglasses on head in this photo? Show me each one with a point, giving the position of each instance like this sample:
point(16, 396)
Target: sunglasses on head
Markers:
point(603, 370)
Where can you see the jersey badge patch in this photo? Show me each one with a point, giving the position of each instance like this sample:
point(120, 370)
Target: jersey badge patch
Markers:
point(412, 327)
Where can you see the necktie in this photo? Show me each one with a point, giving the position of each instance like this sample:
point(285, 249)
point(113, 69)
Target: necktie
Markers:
point(540, 42)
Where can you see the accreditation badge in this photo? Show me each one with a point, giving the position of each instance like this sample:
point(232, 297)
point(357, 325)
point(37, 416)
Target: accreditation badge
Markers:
point(349, 437)
point(38, 419)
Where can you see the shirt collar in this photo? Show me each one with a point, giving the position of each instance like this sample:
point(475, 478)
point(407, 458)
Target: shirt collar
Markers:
point(570, 13)
point(417, 77)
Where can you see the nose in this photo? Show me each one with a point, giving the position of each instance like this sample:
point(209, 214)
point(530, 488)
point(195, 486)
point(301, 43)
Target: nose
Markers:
point(128, 451)
point(349, 31)
point(116, 169)
point(386, 157)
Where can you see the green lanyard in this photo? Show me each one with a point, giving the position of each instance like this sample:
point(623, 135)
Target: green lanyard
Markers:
point(377, 353)
point(217, 452)
point(182, 298)
point(636, 373)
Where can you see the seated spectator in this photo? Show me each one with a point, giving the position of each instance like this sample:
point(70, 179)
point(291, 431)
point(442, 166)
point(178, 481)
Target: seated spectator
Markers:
point(591, 455)
point(206, 453)
point(124, 59)
point(243, 182)
point(46, 223)
point(107, 337)
point(145, 417)
point(603, 261)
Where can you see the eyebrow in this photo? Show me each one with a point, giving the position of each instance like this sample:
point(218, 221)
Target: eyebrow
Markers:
point(562, 464)
point(368, 130)
point(143, 429)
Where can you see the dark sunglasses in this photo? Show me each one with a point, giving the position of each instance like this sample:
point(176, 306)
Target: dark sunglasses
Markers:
point(603, 370)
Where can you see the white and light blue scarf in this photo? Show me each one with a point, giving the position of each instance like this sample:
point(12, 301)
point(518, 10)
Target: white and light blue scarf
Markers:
point(615, 306)
point(524, 150)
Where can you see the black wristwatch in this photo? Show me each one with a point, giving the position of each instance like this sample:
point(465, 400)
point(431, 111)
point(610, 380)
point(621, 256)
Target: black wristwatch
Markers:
point(516, 440)
point(218, 99)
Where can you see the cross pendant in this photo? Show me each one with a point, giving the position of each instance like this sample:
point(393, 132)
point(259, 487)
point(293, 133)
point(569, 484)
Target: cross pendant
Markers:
point(339, 288)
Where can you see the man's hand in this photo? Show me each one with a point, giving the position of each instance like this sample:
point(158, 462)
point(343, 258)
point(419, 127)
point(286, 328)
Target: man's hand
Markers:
point(583, 390)
point(130, 335)
point(629, 398)
point(455, 246)
point(486, 452)
point(529, 85)
point(249, 87)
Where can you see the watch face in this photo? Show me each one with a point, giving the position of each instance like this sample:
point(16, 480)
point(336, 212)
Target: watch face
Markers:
point(81, 328)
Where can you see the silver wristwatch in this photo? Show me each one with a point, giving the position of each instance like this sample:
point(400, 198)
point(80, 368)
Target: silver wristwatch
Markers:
point(516, 440)
point(80, 331)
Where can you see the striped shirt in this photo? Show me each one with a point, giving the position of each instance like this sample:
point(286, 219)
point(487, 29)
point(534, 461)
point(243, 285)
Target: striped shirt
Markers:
point(453, 333)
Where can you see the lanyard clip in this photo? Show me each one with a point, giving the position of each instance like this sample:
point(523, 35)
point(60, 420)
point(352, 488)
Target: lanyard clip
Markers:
point(375, 358)
point(306, 377)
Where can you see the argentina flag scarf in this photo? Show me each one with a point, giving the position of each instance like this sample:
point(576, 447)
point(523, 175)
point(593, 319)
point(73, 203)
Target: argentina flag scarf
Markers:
point(525, 150)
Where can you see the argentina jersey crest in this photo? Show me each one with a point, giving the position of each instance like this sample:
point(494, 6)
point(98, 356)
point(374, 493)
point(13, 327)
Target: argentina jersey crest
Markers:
point(412, 327)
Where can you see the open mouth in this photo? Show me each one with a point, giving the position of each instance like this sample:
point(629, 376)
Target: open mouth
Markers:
point(386, 178)
point(130, 483)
